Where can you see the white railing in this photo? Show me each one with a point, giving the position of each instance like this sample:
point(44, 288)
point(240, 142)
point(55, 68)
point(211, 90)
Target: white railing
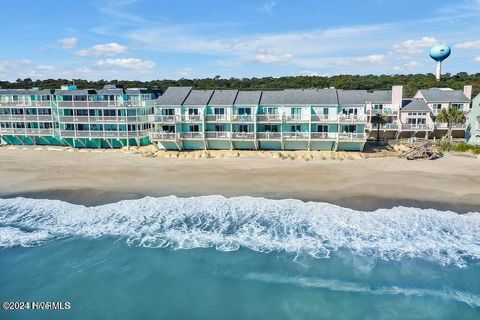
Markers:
point(321, 118)
point(297, 117)
point(216, 117)
point(25, 118)
point(26, 104)
point(161, 118)
point(192, 118)
point(243, 135)
point(386, 126)
point(269, 135)
point(296, 135)
point(444, 126)
point(352, 136)
point(217, 135)
point(191, 135)
point(242, 118)
point(26, 131)
point(105, 119)
point(351, 118)
point(386, 112)
point(163, 136)
point(103, 134)
point(269, 117)
point(477, 132)
point(416, 127)
point(323, 135)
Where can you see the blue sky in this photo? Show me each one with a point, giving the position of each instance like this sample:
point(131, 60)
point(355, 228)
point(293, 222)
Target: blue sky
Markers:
point(147, 39)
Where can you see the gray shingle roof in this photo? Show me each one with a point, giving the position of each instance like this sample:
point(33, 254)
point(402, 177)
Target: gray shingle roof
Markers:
point(352, 97)
point(441, 95)
point(248, 98)
point(223, 97)
point(409, 105)
point(272, 97)
point(198, 98)
point(379, 96)
point(137, 91)
point(310, 96)
point(173, 96)
point(116, 91)
point(74, 92)
point(25, 92)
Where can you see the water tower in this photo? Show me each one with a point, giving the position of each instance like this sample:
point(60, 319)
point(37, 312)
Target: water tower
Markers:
point(439, 53)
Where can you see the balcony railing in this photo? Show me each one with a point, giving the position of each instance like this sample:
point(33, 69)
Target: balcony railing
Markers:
point(323, 135)
point(26, 104)
point(269, 135)
point(243, 135)
point(192, 135)
point(386, 126)
point(162, 118)
point(297, 118)
point(242, 118)
point(417, 127)
point(103, 134)
point(26, 131)
point(217, 135)
point(216, 117)
point(192, 118)
point(444, 126)
point(163, 136)
point(323, 118)
point(296, 135)
point(26, 117)
point(351, 118)
point(352, 137)
point(269, 118)
point(105, 119)
point(477, 132)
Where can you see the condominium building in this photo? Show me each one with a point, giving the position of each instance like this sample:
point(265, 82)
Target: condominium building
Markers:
point(109, 117)
point(472, 128)
point(183, 118)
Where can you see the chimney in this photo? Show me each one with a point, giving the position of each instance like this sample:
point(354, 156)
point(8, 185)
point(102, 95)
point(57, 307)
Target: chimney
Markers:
point(397, 97)
point(467, 91)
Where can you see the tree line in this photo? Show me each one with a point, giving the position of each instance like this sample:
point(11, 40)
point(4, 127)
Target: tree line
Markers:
point(410, 82)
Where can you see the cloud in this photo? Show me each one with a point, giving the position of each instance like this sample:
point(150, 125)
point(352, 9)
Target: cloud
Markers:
point(415, 46)
point(407, 66)
point(126, 63)
point(271, 58)
point(67, 42)
point(370, 59)
point(106, 49)
point(477, 59)
point(268, 6)
point(468, 45)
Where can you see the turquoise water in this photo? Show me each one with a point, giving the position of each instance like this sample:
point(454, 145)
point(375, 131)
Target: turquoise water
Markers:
point(239, 258)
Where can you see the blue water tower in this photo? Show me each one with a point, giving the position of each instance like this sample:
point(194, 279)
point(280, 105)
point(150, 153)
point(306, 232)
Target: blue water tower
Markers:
point(439, 53)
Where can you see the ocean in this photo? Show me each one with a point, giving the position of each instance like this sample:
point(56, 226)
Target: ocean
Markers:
point(237, 258)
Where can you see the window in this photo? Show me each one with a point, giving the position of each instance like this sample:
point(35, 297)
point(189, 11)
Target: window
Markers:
point(322, 128)
point(109, 112)
point(296, 128)
point(271, 128)
point(193, 128)
point(168, 112)
point(219, 111)
point(437, 106)
point(271, 110)
point(245, 111)
point(193, 111)
point(168, 129)
point(296, 111)
point(325, 111)
point(457, 106)
point(349, 128)
point(219, 127)
point(377, 106)
point(243, 128)
point(81, 112)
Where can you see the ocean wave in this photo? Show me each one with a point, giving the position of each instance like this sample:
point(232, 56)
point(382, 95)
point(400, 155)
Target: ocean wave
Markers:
point(293, 226)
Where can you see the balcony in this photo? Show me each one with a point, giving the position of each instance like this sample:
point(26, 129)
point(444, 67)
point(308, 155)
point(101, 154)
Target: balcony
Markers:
point(242, 118)
point(217, 135)
point(296, 135)
point(323, 135)
point(217, 118)
point(191, 135)
point(417, 127)
point(243, 135)
point(26, 117)
point(163, 136)
point(89, 134)
point(444, 126)
point(352, 137)
point(269, 136)
point(161, 118)
point(104, 120)
point(26, 131)
point(477, 132)
point(297, 118)
point(384, 127)
point(269, 118)
point(192, 118)
point(26, 104)
point(323, 118)
point(344, 118)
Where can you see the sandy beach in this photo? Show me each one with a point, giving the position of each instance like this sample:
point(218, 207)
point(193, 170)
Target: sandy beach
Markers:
point(93, 177)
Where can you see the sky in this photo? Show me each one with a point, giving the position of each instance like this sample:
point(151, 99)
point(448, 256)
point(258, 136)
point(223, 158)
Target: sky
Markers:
point(148, 39)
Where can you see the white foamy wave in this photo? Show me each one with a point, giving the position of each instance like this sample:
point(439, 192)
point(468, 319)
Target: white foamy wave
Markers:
point(260, 224)
point(10, 237)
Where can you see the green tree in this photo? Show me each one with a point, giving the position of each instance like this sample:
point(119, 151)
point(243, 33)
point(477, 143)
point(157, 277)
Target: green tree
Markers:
point(451, 116)
point(378, 119)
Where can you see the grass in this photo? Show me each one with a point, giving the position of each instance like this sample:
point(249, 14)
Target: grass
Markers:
point(464, 147)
